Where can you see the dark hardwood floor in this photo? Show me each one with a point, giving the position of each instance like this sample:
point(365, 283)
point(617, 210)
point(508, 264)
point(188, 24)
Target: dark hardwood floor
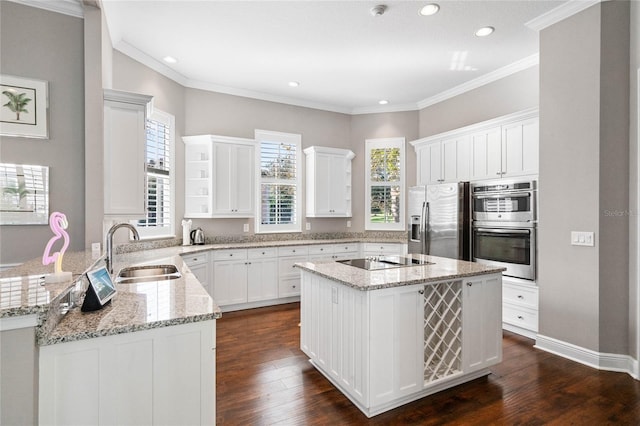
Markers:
point(263, 378)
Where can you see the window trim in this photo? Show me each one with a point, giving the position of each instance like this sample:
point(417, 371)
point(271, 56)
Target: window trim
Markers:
point(370, 144)
point(290, 138)
point(152, 233)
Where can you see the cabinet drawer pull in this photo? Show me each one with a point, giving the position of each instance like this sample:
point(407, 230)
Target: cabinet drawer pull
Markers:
point(520, 317)
point(520, 296)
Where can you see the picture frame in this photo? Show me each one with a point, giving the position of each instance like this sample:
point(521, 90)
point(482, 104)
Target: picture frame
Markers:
point(24, 107)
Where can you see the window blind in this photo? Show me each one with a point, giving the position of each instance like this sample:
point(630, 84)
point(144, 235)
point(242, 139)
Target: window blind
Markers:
point(158, 178)
point(278, 186)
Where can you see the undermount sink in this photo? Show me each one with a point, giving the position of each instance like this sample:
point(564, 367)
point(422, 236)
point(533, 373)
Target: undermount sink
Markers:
point(148, 273)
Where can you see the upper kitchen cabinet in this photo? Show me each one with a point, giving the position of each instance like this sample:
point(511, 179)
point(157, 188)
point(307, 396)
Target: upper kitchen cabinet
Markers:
point(125, 116)
point(443, 161)
point(328, 186)
point(503, 147)
point(219, 176)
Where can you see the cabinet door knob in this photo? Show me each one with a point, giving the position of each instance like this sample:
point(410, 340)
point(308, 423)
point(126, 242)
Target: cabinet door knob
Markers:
point(520, 317)
point(421, 291)
point(469, 284)
point(520, 296)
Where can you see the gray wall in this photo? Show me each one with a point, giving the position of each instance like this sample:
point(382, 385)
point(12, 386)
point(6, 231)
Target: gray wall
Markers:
point(583, 172)
point(48, 46)
point(634, 141)
point(513, 93)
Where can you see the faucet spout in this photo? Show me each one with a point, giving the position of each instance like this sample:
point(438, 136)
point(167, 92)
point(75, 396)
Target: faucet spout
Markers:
point(109, 243)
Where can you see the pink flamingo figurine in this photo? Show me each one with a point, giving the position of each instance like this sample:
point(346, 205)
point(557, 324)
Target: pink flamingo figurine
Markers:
point(58, 223)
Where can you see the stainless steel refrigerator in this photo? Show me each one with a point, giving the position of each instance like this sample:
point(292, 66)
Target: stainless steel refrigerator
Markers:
point(440, 220)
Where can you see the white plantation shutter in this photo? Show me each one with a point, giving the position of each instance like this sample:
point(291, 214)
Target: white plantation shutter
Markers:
point(159, 220)
point(279, 182)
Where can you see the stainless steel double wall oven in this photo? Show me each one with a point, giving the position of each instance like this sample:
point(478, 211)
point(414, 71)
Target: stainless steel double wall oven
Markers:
point(504, 215)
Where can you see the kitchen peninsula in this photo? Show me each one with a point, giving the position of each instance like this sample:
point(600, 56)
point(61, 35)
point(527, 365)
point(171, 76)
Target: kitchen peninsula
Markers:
point(385, 337)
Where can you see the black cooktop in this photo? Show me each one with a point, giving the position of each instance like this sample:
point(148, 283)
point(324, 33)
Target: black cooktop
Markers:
point(384, 262)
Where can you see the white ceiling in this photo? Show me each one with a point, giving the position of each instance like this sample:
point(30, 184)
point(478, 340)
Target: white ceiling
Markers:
point(345, 59)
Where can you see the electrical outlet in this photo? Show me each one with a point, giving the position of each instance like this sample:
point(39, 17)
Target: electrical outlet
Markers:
point(348, 224)
point(307, 226)
point(95, 250)
point(245, 227)
point(582, 238)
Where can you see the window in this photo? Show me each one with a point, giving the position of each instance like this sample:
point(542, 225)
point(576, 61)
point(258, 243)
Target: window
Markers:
point(160, 179)
point(279, 180)
point(384, 184)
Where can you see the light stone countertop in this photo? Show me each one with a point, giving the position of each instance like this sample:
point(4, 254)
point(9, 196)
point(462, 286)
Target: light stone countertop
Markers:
point(442, 269)
point(132, 309)
point(140, 306)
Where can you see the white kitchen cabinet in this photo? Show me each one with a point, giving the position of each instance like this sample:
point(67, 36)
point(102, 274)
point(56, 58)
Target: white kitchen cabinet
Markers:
point(230, 277)
point(125, 118)
point(159, 376)
point(520, 306)
point(262, 274)
point(481, 322)
point(224, 181)
point(198, 184)
point(397, 332)
point(328, 182)
point(443, 161)
point(486, 147)
point(520, 146)
point(502, 147)
point(383, 249)
point(288, 275)
point(200, 267)
point(333, 252)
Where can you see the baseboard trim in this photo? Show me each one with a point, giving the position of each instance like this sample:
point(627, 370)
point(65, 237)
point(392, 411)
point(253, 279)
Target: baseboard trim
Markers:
point(519, 330)
point(598, 360)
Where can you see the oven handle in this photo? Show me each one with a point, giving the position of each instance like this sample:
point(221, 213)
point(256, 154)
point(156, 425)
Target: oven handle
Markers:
point(504, 195)
point(503, 231)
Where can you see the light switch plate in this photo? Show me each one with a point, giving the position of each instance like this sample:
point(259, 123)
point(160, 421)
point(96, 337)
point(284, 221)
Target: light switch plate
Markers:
point(579, 238)
point(307, 226)
point(245, 228)
point(348, 224)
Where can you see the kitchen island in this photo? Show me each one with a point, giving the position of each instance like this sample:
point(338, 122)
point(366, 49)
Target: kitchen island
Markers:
point(390, 336)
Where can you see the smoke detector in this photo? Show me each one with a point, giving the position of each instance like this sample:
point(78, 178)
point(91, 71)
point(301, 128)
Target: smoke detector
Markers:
point(378, 10)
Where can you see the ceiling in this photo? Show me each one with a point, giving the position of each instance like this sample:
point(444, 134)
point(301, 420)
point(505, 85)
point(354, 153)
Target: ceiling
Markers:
point(344, 58)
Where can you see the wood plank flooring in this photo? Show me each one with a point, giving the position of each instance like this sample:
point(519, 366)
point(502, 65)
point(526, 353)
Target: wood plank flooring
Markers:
point(263, 378)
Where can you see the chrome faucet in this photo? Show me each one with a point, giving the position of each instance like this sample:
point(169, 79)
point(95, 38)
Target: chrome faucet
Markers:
point(109, 243)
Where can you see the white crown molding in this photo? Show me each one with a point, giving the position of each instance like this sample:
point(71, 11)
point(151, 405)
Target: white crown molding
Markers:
point(154, 64)
point(66, 7)
point(598, 360)
point(523, 64)
point(384, 109)
point(560, 13)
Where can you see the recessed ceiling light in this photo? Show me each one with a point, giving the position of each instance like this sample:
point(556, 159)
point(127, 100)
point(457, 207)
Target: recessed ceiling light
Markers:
point(430, 9)
point(383, 102)
point(294, 83)
point(485, 31)
point(378, 10)
point(170, 59)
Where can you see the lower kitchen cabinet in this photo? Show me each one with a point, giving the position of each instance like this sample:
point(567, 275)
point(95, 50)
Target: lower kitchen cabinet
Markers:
point(383, 249)
point(520, 306)
point(262, 274)
point(288, 275)
point(230, 277)
point(151, 377)
point(200, 267)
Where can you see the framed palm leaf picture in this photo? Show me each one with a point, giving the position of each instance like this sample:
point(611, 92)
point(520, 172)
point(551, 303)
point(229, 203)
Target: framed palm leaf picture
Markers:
point(23, 107)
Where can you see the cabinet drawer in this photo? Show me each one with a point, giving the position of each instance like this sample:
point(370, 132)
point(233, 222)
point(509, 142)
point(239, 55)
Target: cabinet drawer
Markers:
point(321, 249)
point(196, 258)
point(260, 253)
point(520, 295)
point(230, 254)
point(389, 248)
point(293, 251)
point(285, 265)
point(520, 316)
point(339, 249)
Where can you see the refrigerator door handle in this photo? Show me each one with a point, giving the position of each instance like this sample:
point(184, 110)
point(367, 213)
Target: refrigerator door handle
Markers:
point(425, 222)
